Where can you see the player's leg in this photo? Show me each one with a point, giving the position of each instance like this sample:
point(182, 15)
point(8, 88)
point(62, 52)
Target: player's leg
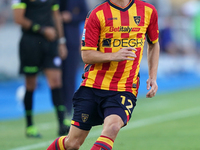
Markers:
point(75, 138)
point(55, 84)
point(29, 66)
point(111, 127)
point(85, 111)
point(72, 141)
point(30, 83)
point(117, 112)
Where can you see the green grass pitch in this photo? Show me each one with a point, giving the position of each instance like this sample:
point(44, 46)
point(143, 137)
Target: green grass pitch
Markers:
point(167, 122)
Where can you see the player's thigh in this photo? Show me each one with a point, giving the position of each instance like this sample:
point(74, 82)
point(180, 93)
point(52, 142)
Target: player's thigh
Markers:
point(85, 109)
point(51, 57)
point(52, 64)
point(54, 77)
point(30, 54)
point(85, 114)
point(121, 104)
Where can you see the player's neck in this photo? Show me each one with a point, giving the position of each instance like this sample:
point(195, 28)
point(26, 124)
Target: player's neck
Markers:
point(122, 3)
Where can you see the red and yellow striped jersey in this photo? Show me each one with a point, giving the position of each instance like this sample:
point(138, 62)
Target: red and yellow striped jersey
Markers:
point(108, 28)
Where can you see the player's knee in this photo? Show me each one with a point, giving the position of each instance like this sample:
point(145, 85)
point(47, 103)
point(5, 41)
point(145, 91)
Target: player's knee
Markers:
point(55, 83)
point(30, 86)
point(112, 130)
point(73, 145)
point(115, 128)
point(112, 125)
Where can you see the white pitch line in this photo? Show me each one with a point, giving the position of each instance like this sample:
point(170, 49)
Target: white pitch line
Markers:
point(131, 125)
point(34, 146)
point(163, 118)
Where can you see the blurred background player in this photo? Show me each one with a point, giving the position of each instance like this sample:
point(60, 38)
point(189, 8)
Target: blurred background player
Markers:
point(73, 13)
point(4, 11)
point(41, 47)
point(112, 48)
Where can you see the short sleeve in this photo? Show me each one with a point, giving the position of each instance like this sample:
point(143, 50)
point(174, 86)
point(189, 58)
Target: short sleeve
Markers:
point(55, 5)
point(91, 32)
point(19, 4)
point(152, 30)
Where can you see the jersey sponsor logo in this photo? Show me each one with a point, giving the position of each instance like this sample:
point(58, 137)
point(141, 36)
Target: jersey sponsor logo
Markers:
point(126, 29)
point(137, 19)
point(107, 42)
point(123, 42)
point(84, 117)
point(57, 61)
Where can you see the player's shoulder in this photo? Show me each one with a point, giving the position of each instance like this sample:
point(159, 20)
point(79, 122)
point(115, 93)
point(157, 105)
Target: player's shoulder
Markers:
point(97, 8)
point(144, 3)
point(16, 4)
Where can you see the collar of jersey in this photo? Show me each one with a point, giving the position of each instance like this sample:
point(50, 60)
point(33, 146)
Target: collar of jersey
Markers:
point(119, 7)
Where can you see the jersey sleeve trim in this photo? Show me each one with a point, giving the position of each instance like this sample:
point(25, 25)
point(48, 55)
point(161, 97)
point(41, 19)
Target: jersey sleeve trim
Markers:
point(151, 42)
point(155, 41)
point(55, 7)
point(19, 6)
point(88, 48)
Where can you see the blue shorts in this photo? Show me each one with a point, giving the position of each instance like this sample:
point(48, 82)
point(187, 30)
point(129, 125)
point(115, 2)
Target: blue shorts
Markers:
point(92, 106)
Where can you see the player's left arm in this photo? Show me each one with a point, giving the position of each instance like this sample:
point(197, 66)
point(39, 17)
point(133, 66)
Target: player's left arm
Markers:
point(153, 51)
point(59, 28)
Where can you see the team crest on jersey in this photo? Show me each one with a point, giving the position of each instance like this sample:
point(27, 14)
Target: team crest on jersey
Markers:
point(137, 19)
point(84, 117)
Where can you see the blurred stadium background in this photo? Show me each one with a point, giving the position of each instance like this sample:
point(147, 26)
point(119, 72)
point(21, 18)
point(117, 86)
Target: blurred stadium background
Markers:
point(178, 72)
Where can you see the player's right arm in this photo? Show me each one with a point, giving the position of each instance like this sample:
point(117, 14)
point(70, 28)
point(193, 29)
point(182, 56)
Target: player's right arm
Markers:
point(19, 8)
point(90, 39)
point(93, 57)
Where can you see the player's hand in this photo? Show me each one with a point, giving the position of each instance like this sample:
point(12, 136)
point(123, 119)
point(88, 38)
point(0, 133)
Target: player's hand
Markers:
point(50, 33)
point(127, 53)
point(63, 52)
point(152, 87)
